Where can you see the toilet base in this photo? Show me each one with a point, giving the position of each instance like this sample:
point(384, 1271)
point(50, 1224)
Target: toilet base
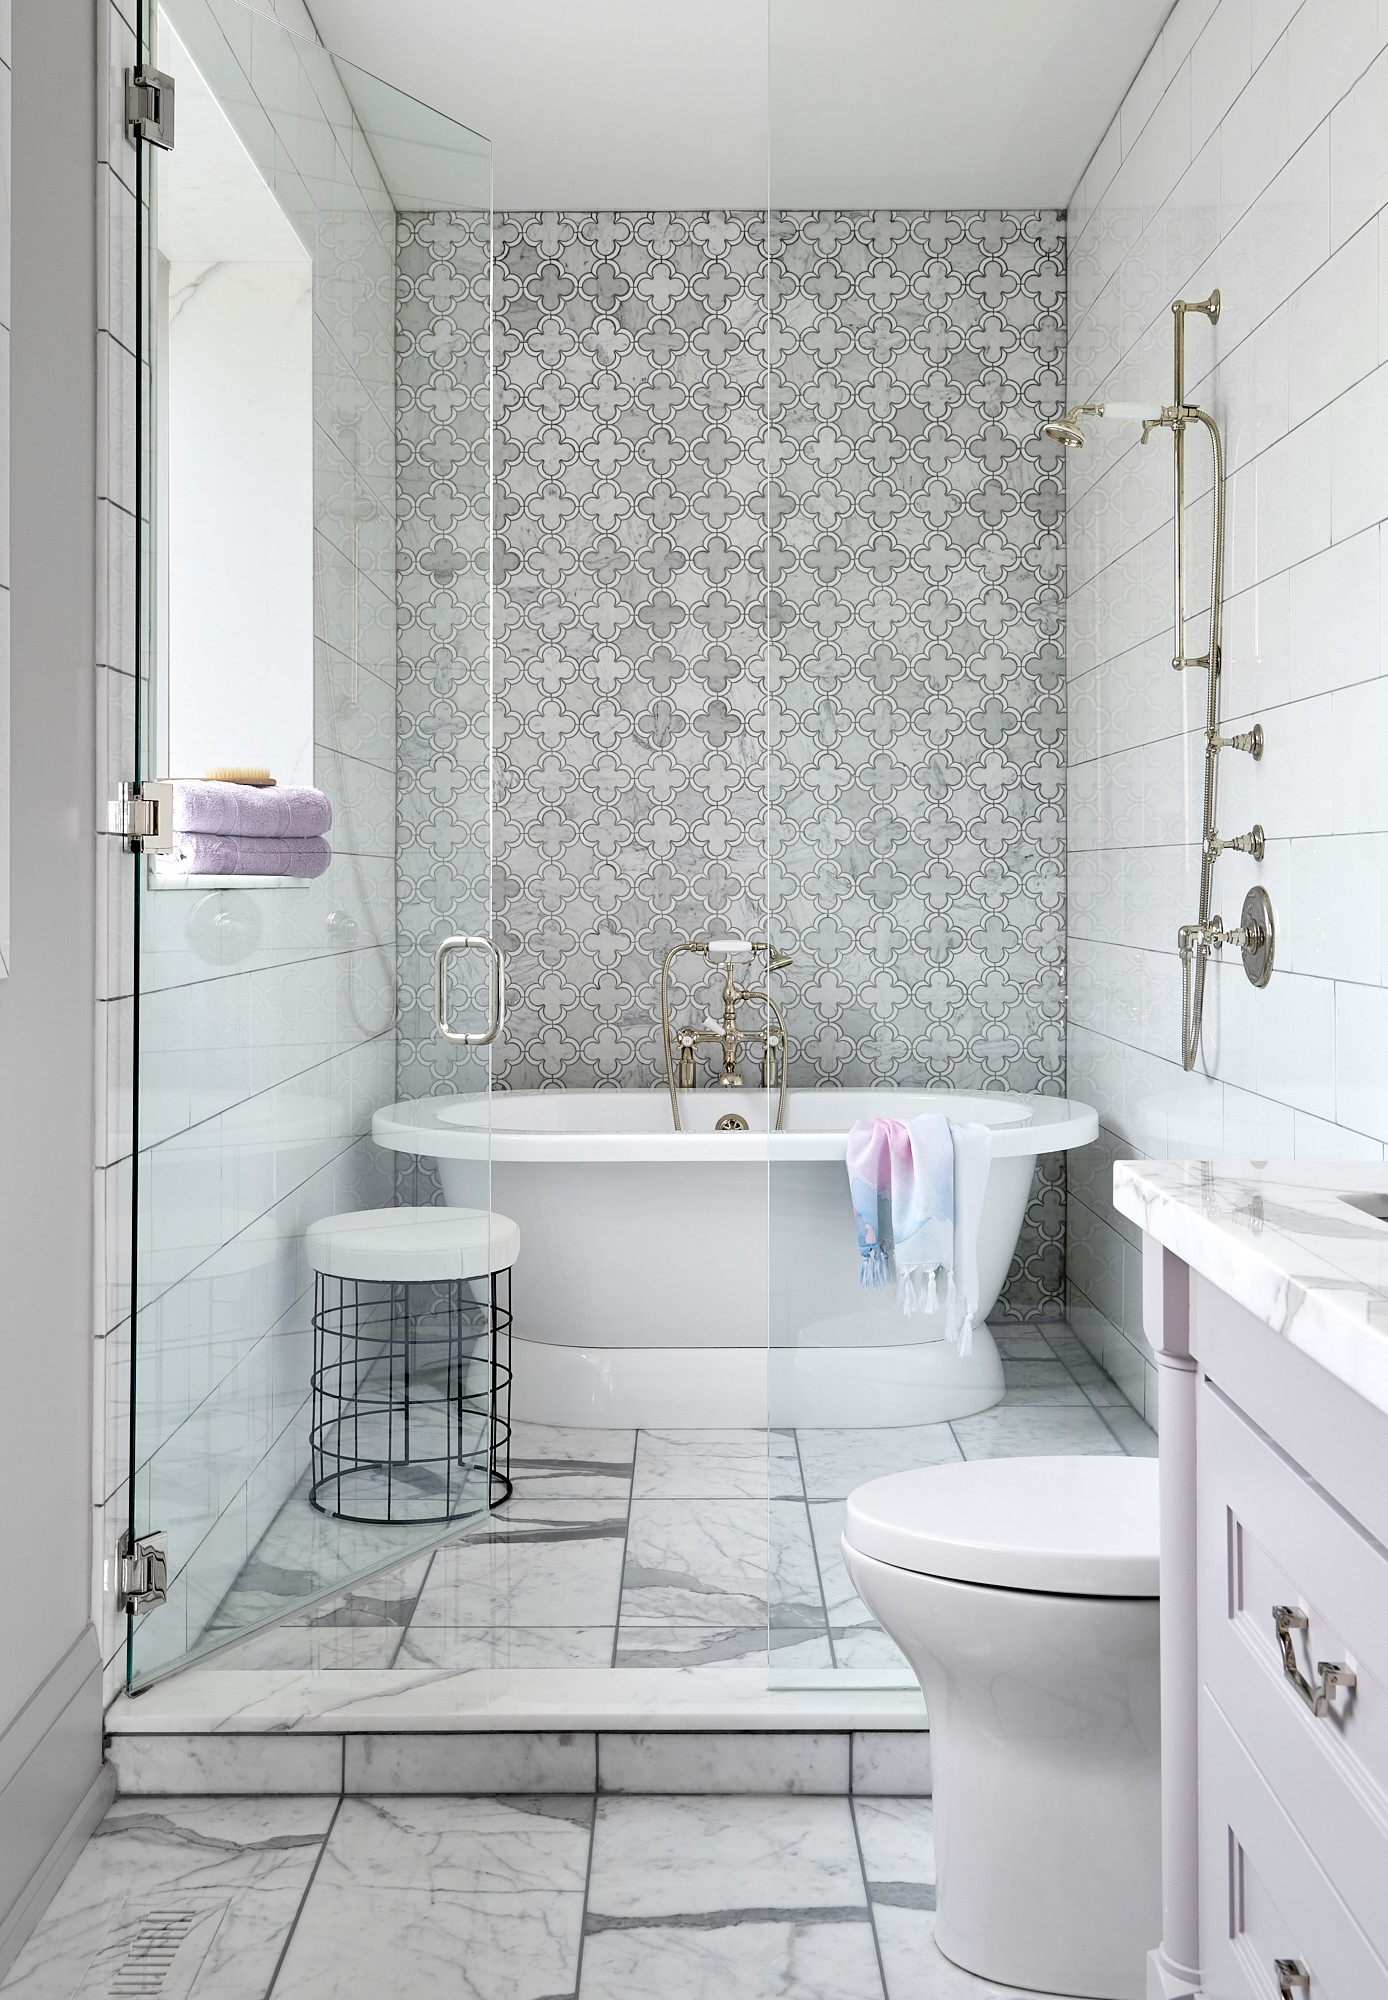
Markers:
point(1044, 1738)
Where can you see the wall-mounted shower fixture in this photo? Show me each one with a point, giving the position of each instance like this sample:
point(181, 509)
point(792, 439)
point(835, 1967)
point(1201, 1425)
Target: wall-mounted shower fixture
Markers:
point(1207, 934)
point(1066, 430)
point(732, 1040)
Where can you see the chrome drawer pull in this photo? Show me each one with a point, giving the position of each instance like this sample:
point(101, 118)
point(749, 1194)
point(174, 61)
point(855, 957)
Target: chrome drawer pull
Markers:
point(1292, 1978)
point(1287, 1620)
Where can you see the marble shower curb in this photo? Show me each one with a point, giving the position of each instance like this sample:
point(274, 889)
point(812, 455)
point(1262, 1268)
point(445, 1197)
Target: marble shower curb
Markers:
point(622, 1730)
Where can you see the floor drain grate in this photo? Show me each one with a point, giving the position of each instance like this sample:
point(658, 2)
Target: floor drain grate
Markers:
point(153, 1949)
point(150, 1952)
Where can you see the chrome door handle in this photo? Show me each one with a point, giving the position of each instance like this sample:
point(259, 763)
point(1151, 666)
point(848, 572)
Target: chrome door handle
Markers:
point(1292, 1978)
point(441, 958)
point(1287, 1619)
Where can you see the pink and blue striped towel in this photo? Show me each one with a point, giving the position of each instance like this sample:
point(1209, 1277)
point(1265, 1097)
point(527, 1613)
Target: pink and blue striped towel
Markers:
point(917, 1192)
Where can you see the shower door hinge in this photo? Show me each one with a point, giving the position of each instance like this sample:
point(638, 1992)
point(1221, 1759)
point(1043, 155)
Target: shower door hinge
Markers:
point(144, 1572)
point(143, 816)
point(149, 106)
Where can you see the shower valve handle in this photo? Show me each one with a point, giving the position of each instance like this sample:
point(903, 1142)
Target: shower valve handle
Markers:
point(1250, 740)
point(1253, 842)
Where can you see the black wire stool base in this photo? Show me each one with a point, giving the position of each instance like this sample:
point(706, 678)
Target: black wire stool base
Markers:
point(411, 1400)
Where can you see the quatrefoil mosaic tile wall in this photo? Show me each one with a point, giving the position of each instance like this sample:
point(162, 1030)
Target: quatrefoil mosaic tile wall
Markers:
point(779, 639)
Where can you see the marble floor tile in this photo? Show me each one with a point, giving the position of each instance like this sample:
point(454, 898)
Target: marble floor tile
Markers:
point(1032, 1432)
point(522, 1521)
point(1022, 1343)
point(727, 1899)
point(254, 1855)
point(1100, 1389)
point(506, 1583)
point(456, 1649)
point(795, 1590)
point(897, 1837)
point(898, 1843)
point(358, 1941)
point(828, 1955)
point(787, 1482)
point(841, 1600)
point(1064, 1342)
point(450, 1845)
point(916, 1969)
point(696, 1565)
point(700, 1465)
point(387, 1599)
point(380, 1600)
point(1039, 1381)
point(719, 1646)
point(667, 1857)
point(557, 1462)
point(835, 1461)
point(860, 1646)
point(1133, 1432)
point(316, 1648)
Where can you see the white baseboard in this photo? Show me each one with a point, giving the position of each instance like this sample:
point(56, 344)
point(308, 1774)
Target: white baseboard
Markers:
point(43, 1884)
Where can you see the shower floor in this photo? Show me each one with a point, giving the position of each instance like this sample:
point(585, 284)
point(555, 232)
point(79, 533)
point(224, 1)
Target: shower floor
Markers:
point(664, 1549)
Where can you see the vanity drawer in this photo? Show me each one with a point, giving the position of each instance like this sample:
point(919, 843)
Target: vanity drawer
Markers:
point(1269, 1537)
point(1262, 1895)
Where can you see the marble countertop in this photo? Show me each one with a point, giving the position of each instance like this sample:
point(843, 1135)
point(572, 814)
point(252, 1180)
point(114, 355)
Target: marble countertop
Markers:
point(1282, 1240)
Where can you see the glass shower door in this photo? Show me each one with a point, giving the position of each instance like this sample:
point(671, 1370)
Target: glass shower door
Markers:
point(312, 602)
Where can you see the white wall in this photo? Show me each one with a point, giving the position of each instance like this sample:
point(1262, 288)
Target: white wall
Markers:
point(50, 1694)
point(1250, 153)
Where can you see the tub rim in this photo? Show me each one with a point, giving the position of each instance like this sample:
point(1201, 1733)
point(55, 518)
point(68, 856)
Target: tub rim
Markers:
point(415, 1125)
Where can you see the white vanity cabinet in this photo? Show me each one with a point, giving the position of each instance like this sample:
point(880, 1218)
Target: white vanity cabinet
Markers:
point(1274, 1656)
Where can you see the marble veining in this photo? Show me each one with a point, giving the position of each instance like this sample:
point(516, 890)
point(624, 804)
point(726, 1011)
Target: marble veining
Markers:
point(653, 1555)
point(1282, 1240)
point(519, 1898)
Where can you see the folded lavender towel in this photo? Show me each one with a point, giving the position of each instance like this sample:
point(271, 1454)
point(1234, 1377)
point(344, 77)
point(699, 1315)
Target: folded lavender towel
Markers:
point(233, 854)
point(270, 812)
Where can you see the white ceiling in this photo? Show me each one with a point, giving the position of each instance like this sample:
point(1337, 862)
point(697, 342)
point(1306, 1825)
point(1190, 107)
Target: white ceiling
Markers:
point(664, 103)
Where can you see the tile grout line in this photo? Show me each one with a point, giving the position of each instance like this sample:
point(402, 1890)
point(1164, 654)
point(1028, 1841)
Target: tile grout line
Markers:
point(814, 1551)
point(588, 1873)
point(862, 1868)
point(405, 1628)
point(308, 1886)
point(621, 1580)
point(1097, 1408)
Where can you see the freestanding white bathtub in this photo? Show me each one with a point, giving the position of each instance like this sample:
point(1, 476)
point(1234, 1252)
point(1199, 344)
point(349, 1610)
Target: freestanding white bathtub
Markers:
point(708, 1279)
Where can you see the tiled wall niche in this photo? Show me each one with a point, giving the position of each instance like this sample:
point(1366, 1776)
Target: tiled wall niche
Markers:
point(1250, 153)
point(916, 820)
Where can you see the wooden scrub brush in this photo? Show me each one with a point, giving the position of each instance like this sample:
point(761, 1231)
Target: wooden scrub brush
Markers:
point(240, 774)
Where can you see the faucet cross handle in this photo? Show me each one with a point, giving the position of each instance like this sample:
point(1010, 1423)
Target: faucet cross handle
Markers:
point(1253, 842)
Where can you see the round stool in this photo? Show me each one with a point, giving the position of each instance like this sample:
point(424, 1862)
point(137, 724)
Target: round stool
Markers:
point(411, 1363)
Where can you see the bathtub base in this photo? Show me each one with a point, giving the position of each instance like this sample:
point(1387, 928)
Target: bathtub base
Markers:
point(725, 1388)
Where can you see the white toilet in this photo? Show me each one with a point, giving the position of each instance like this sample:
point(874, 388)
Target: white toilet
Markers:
point(1023, 1591)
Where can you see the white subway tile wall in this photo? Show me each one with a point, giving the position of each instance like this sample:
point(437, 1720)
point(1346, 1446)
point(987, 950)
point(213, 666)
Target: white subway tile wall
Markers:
point(1250, 153)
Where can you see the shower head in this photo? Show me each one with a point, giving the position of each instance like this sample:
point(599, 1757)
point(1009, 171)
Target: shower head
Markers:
point(777, 961)
point(1066, 430)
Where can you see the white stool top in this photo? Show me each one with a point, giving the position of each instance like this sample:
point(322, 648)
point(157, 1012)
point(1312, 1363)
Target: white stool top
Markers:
point(1077, 1526)
point(405, 1246)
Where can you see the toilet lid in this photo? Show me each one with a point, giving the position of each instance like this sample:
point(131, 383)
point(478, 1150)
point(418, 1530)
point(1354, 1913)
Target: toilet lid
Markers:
point(1084, 1527)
